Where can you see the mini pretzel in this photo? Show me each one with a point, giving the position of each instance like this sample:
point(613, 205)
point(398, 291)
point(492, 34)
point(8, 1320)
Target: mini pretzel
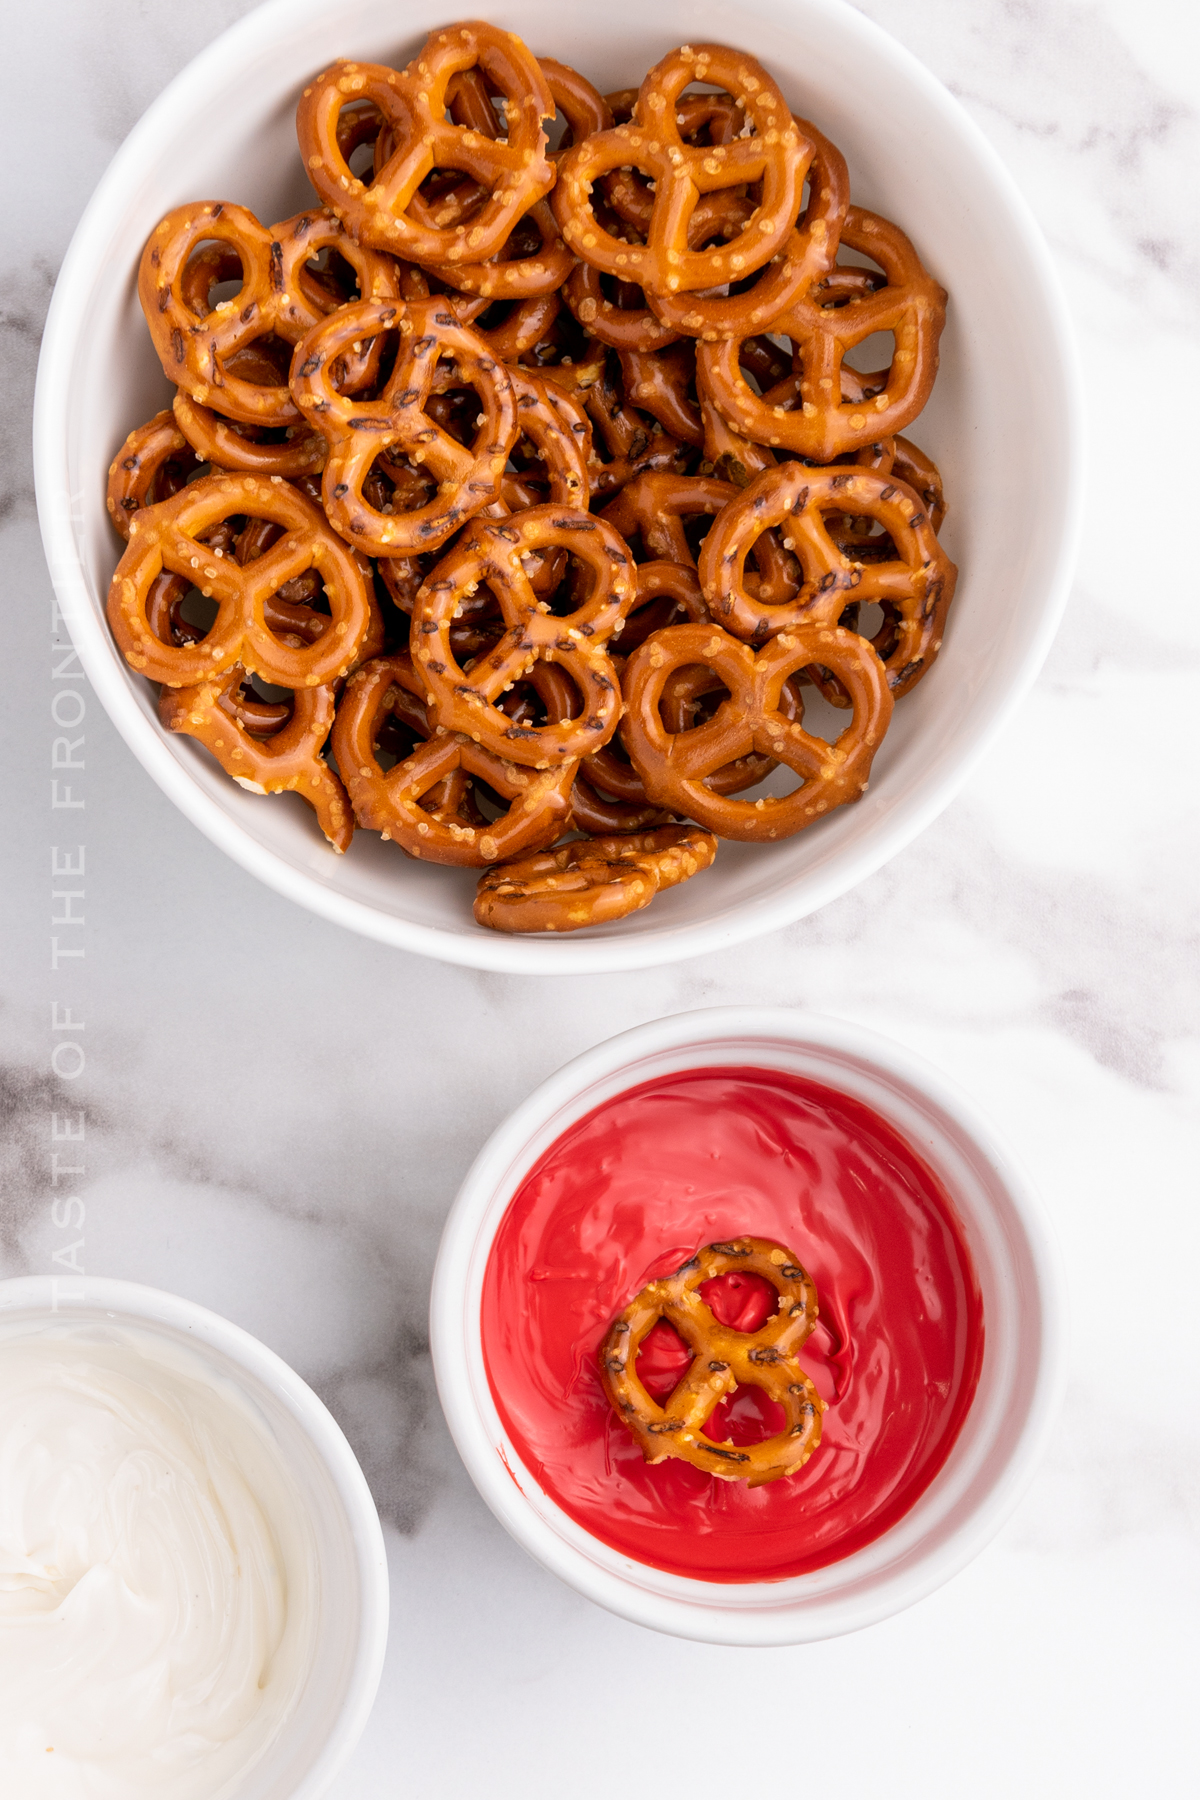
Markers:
point(196, 346)
point(624, 324)
point(777, 155)
point(914, 587)
point(674, 767)
point(514, 172)
point(912, 306)
point(806, 256)
point(495, 554)
point(658, 382)
point(227, 445)
point(392, 802)
point(722, 1360)
point(169, 537)
point(398, 420)
point(591, 881)
point(563, 890)
point(264, 752)
point(153, 463)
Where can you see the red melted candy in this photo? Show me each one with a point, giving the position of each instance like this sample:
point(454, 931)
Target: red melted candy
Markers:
point(633, 1190)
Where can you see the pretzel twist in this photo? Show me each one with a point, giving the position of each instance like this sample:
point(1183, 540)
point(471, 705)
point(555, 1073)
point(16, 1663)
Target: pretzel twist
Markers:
point(268, 749)
point(398, 420)
point(776, 155)
point(494, 553)
point(197, 347)
point(722, 1359)
point(654, 504)
point(397, 803)
point(558, 432)
point(675, 766)
point(514, 173)
point(806, 256)
point(169, 539)
point(915, 586)
point(591, 881)
point(827, 424)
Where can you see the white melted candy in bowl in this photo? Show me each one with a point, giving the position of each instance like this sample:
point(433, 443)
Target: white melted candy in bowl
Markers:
point(158, 1575)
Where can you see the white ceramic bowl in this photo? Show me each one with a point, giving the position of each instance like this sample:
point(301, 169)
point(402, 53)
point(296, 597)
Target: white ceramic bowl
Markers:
point(1003, 423)
point(1024, 1307)
point(340, 1688)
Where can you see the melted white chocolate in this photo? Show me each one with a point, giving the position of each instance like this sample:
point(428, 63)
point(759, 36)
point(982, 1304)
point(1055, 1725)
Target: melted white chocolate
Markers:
point(158, 1584)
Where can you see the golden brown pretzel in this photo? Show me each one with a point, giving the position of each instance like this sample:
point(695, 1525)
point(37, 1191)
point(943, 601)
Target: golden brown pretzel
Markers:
point(825, 424)
point(633, 445)
point(229, 445)
point(494, 553)
point(806, 256)
point(915, 585)
point(557, 430)
point(591, 881)
point(776, 155)
point(153, 463)
point(398, 421)
point(168, 539)
point(396, 802)
point(198, 347)
point(285, 756)
point(514, 172)
point(624, 323)
point(660, 382)
point(675, 767)
point(722, 1359)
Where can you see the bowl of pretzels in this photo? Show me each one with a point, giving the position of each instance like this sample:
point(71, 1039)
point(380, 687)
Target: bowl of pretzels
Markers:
point(606, 490)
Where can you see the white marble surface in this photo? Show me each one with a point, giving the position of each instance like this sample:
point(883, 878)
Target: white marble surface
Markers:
point(278, 1113)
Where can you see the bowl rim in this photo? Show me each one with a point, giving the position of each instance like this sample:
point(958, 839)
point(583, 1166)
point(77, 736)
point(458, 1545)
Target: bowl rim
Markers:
point(722, 1612)
point(84, 1296)
point(575, 954)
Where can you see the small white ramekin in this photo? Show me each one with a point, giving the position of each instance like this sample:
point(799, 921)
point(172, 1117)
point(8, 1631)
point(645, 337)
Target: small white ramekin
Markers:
point(1004, 425)
point(340, 1689)
point(1020, 1382)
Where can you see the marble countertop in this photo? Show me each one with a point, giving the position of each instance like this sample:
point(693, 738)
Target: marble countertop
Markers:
point(282, 1147)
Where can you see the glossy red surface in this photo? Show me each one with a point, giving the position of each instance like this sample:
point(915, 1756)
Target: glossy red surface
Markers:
point(630, 1192)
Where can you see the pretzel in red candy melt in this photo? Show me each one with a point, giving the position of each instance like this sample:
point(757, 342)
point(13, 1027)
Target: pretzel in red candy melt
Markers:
point(723, 1359)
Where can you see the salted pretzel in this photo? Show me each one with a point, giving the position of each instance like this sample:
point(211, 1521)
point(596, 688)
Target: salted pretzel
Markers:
point(495, 553)
point(674, 766)
point(398, 422)
point(623, 323)
point(226, 444)
point(397, 802)
point(914, 586)
point(514, 172)
point(775, 155)
point(824, 424)
point(168, 538)
point(805, 257)
point(592, 880)
point(267, 748)
point(601, 814)
point(197, 346)
point(722, 1360)
point(153, 463)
